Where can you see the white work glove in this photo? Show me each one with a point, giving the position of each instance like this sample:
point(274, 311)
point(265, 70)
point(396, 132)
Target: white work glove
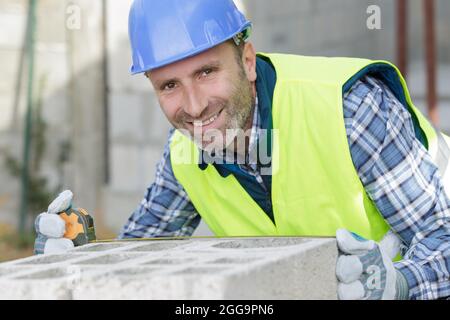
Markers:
point(50, 227)
point(365, 270)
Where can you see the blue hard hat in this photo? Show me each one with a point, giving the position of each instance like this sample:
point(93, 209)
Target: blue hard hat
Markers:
point(165, 31)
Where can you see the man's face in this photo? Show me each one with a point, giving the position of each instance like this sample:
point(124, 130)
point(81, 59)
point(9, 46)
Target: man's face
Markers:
point(210, 92)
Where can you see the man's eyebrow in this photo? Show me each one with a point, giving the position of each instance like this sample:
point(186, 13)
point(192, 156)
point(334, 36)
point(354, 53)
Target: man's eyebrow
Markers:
point(210, 65)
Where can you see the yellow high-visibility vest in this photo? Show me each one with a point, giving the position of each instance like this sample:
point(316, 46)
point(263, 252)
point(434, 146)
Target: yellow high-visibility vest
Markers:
point(315, 186)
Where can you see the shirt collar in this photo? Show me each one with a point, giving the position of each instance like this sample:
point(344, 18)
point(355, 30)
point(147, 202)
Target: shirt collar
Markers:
point(251, 157)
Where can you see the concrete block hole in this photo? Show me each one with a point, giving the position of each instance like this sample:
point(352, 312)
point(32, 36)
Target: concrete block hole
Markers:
point(48, 259)
point(56, 273)
point(234, 260)
point(109, 259)
point(9, 271)
point(205, 271)
point(133, 272)
point(169, 261)
point(260, 243)
point(157, 246)
point(99, 247)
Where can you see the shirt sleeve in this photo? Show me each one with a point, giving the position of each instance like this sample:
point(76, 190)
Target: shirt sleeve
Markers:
point(166, 210)
point(400, 177)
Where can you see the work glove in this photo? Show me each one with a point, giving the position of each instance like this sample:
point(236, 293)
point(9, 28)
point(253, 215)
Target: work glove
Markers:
point(365, 270)
point(61, 228)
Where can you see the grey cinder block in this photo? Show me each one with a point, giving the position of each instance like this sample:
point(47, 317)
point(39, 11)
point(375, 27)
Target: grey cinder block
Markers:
point(204, 268)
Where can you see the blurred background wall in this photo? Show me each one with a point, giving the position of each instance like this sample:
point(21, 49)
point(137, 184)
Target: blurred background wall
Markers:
point(100, 131)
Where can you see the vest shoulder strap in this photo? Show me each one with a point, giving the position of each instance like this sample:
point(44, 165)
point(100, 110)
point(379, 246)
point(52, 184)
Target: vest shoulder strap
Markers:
point(333, 70)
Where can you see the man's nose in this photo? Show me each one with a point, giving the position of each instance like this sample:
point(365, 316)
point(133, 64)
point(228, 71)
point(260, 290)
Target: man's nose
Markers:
point(195, 102)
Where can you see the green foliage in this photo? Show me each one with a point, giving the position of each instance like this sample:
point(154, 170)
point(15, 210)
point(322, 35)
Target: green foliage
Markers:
point(39, 194)
point(19, 241)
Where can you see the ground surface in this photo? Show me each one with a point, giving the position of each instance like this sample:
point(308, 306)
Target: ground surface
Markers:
point(12, 246)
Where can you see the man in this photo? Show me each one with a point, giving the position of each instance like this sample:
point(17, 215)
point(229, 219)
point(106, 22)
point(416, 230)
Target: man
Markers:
point(345, 152)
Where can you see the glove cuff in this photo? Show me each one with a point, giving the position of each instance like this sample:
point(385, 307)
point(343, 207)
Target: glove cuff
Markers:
point(401, 287)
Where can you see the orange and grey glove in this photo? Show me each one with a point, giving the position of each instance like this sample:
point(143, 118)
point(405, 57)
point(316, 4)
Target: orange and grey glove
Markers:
point(63, 227)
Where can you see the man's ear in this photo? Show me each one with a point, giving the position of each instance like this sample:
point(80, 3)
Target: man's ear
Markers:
point(249, 61)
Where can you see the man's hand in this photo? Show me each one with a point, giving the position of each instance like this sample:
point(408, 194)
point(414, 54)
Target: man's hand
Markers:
point(365, 270)
point(50, 227)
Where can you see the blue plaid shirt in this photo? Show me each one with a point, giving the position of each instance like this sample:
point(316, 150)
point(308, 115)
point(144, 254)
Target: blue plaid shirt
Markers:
point(395, 169)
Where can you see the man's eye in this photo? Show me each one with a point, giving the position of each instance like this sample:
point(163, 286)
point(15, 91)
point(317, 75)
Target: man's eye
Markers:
point(206, 72)
point(170, 86)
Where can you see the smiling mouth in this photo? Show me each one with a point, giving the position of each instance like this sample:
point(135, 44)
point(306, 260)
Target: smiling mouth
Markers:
point(204, 123)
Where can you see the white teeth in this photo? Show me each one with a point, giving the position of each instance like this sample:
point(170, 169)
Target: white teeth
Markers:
point(199, 123)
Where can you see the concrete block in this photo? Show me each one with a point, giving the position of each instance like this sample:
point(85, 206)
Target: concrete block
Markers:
point(12, 20)
point(124, 159)
point(206, 268)
point(6, 112)
point(119, 205)
point(9, 64)
point(119, 51)
point(126, 120)
point(133, 167)
point(156, 126)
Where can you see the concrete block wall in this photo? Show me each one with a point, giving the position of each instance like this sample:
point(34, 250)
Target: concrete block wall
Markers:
point(208, 268)
point(138, 128)
point(325, 27)
point(12, 17)
point(51, 76)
